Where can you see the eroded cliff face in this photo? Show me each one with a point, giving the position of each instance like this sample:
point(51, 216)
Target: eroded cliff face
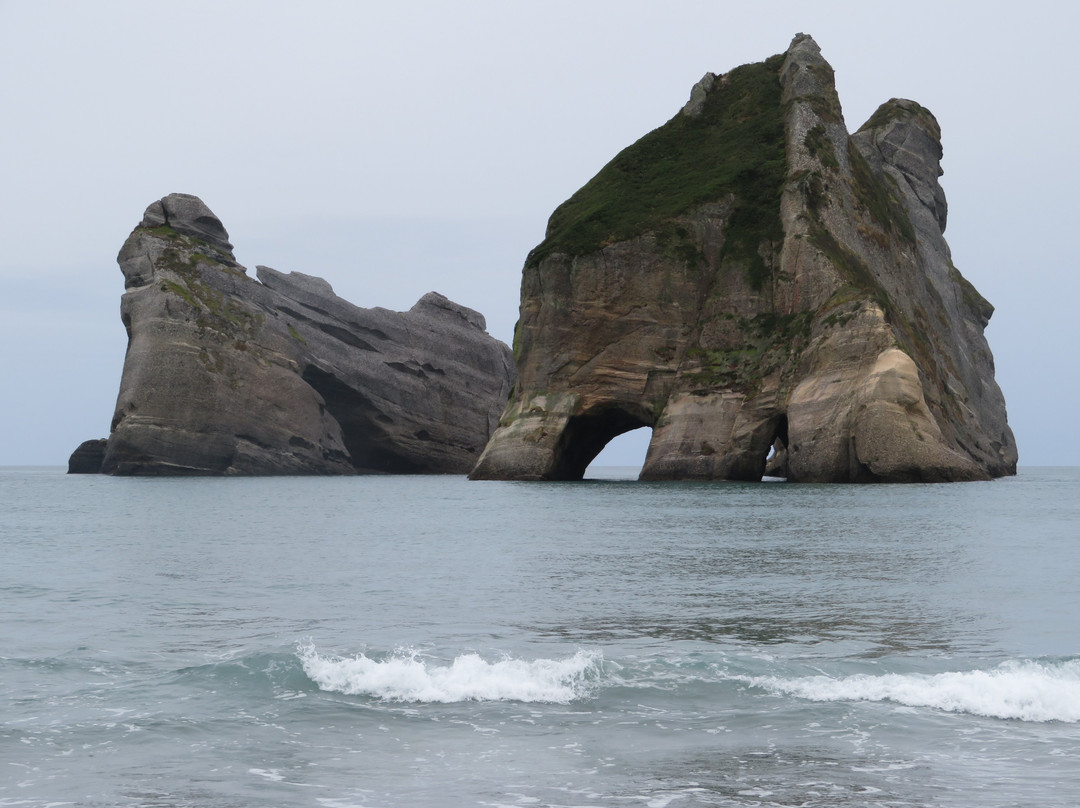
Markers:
point(751, 277)
point(225, 374)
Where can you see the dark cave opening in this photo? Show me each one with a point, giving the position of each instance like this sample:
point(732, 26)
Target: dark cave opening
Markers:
point(370, 447)
point(587, 434)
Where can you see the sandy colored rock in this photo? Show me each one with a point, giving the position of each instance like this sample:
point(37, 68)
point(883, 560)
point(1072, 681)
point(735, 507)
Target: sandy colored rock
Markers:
point(750, 277)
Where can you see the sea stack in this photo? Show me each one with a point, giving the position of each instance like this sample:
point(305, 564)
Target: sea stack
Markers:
point(752, 280)
point(226, 374)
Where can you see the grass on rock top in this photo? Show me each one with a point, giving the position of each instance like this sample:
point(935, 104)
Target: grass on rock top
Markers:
point(734, 146)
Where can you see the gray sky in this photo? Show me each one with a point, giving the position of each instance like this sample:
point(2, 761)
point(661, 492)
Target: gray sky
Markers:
point(395, 149)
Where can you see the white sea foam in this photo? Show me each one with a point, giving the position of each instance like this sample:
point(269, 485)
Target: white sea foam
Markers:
point(405, 675)
point(1026, 690)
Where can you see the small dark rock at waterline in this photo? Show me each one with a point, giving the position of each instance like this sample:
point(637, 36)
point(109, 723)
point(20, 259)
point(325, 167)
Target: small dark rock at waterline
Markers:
point(87, 459)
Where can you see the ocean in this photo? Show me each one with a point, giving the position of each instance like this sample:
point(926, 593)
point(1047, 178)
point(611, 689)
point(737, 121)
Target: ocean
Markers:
point(429, 641)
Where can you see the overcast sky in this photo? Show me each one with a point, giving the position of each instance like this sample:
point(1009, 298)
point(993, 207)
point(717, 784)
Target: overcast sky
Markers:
point(399, 148)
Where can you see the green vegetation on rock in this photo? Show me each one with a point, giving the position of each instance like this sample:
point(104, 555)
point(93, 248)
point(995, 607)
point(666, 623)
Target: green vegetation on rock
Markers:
point(875, 194)
point(851, 266)
point(217, 311)
point(826, 105)
point(773, 342)
point(817, 141)
point(734, 147)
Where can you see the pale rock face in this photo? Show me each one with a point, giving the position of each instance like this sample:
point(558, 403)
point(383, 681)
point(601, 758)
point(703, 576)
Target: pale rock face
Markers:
point(225, 374)
point(843, 337)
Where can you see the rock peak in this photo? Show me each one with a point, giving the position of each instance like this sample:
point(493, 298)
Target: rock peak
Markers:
point(442, 306)
point(804, 42)
point(187, 214)
point(903, 138)
point(904, 110)
point(699, 93)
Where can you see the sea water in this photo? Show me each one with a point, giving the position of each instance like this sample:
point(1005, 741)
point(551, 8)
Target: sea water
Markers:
point(430, 641)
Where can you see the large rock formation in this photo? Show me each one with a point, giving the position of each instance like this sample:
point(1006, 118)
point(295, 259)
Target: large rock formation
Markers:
point(749, 277)
point(225, 374)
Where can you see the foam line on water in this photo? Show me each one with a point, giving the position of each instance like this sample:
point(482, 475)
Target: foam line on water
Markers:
point(407, 676)
point(1027, 690)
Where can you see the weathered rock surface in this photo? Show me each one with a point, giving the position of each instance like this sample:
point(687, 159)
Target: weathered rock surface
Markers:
point(88, 457)
point(226, 374)
point(750, 276)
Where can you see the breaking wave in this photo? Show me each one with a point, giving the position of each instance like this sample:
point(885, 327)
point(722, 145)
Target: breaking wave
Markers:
point(407, 676)
point(1025, 690)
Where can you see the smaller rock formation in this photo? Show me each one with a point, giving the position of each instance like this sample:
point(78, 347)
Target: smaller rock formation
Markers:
point(88, 457)
point(225, 374)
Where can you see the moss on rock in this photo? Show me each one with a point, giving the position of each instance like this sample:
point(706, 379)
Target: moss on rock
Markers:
point(733, 147)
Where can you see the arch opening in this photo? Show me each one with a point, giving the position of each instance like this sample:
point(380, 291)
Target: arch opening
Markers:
point(776, 459)
point(586, 435)
point(622, 458)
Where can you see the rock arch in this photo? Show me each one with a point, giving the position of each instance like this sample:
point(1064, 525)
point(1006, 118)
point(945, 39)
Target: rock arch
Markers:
point(586, 434)
point(557, 436)
point(751, 274)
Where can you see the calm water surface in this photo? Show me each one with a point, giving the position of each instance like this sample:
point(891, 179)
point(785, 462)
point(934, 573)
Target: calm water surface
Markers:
point(429, 641)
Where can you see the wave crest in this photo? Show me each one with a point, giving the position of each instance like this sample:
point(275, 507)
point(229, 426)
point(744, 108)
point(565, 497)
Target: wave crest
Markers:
point(406, 676)
point(1025, 690)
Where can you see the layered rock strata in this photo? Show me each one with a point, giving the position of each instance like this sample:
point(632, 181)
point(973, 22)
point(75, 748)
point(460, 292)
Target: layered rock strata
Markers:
point(225, 374)
point(751, 281)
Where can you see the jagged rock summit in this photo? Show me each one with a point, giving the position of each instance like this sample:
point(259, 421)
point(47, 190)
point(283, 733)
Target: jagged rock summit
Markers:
point(225, 374)
point(750, 279)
